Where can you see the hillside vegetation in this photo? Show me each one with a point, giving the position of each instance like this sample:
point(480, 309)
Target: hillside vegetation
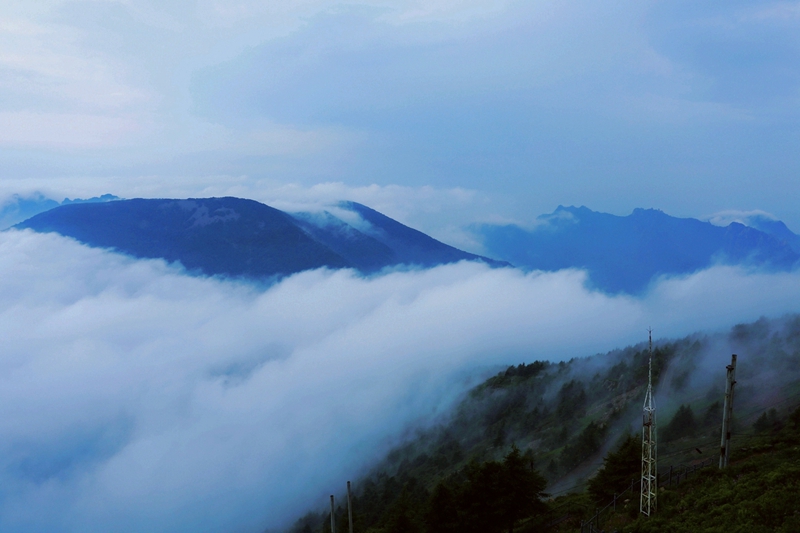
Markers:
point(758, 492)
point(560, 420)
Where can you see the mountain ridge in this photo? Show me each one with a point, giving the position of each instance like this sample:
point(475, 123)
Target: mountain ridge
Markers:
point(621, 254)
point(237, 237)
point(626, 253)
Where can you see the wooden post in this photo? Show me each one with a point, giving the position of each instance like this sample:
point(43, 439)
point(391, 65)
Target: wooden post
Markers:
point(670, 476)
point(725, 440)
point(333, 517)
point(349, 508)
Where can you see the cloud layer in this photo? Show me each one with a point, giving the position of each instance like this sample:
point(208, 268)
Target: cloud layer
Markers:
point(133, 397)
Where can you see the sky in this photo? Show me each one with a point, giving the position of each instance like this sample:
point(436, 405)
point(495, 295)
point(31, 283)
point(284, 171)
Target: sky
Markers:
point(442, 112)
point(134, 397)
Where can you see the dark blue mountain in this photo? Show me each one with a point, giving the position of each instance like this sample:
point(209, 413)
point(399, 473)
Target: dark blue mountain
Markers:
point(624, 254)
point(244, 238)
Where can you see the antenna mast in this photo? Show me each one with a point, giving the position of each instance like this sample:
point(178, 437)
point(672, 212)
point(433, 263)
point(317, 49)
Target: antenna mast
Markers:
point(647, 499)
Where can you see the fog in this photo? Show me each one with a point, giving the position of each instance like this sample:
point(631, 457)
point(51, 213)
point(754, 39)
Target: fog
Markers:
point(134, 397)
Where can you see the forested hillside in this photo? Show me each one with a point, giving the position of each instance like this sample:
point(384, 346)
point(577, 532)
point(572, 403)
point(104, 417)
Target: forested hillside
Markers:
point(555, 422)
point(756, 493)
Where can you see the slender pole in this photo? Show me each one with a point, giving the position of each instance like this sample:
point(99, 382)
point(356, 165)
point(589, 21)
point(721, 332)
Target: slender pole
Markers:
point(349, 508)
point(333, 517)
point(730, 410)
point(727, 414)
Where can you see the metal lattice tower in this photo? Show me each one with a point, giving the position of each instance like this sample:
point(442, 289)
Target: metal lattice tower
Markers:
point(647, 499)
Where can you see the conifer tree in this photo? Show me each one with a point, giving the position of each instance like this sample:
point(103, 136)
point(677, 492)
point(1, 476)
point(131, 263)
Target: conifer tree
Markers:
point(619, 468)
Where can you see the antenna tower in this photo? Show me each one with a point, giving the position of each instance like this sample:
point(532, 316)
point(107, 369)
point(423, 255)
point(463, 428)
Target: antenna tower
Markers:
point(647, 499)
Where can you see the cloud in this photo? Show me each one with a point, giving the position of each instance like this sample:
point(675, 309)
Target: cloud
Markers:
point(724, 218)
point(772, 12)
point(396, 201)
point(134, 397)
point(60, 130)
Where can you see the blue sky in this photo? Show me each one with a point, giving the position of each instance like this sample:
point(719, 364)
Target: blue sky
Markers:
point(441, 112)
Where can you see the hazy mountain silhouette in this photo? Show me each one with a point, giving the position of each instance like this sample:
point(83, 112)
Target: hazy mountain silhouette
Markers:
point(776, 228)
point(624, 254)
point(238, 237)
point(17, 208)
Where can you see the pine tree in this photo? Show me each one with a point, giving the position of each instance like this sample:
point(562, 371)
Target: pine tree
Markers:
point(523, 489)
point(619, 468)
point(683, 424)
point(442, 515)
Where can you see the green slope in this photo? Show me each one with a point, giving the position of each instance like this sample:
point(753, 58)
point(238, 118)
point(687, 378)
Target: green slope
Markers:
point(564, 418)
point(757, 493)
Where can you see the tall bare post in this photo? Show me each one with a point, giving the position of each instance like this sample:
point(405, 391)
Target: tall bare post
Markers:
point(727, 414)
point(349, 508)
point(649, 487)
point(333, 517)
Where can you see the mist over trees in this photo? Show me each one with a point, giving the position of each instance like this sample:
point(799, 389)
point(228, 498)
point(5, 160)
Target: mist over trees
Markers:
point(573, 426)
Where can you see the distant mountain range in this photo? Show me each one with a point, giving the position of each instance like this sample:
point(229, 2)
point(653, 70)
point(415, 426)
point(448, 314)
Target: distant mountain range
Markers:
point(625, 253)
point(238, 237)
point(244, 238)
point(18, 208)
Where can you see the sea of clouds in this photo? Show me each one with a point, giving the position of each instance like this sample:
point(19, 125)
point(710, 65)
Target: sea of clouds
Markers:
point(136, 398)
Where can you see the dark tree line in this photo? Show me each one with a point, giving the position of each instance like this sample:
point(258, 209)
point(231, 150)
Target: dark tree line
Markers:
point(488, 497)
point(493, 497)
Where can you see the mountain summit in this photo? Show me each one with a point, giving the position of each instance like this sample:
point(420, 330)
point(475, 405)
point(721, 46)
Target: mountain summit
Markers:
point(244, 238)
point(625, 253)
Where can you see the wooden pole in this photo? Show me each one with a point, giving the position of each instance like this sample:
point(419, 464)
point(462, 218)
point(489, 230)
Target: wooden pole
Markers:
point(349, 508)
point(730, 410)
point(725, 440)
point(333, 517)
